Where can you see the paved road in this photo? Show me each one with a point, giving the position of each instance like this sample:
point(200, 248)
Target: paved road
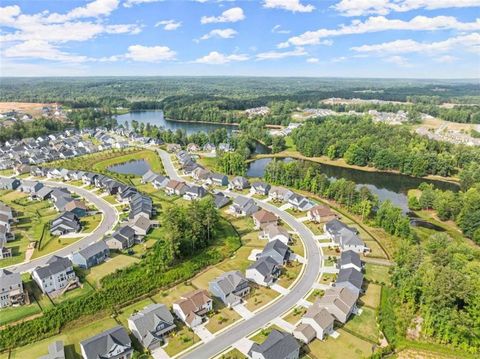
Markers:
point(109, 220)
point(168, 165)
point(261, 318)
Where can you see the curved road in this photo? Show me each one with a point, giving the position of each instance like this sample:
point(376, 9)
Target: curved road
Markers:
point(110, 217)
point(264, 316)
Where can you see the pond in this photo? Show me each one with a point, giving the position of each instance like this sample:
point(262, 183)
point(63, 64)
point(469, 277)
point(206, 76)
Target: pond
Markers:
point(156, 118)
point(138, 168)
point(387, 186)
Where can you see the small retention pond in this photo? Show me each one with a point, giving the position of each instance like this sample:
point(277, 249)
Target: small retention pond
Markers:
point(138, 168)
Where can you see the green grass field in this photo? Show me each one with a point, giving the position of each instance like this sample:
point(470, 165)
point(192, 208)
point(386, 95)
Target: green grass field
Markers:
point(116, 262)
point(377, 273)
point(345, 346)
point(364, 325)
point(221, 317)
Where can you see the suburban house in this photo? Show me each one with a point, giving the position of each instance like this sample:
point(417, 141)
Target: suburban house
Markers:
point(160, 182)
point(316, 323)
point(148, 176)
point(175, 187)
point(243, 206)
point(220, 200)
point(6, 210)
point(278, 251)
point(350, 278)
point(217, 179)
point(77, 207)
point(320, 214)
point(9, 183)
point(141, 225)
point(299, 202)
point(350, 259)
point(264, 218)
point(340, 302)
point(264, 271)
point(279, 194)
point(56, 350)
point(260, 188)
point(344, 236)
point(11, 289)
point(239, 183)
point(151, 325)
point(201, 174)
point(273, 232)
point(56, 275)
point(92, 255)
point(66, 222)
point(43, 193)
point(123, 238)
point(113, 344)
point(193, 307)
point(230, 287)
point(30, 186)
point(194, 192)
point(278, 345)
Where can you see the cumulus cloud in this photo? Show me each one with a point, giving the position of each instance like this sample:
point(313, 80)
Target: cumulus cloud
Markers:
point(470, 42)
point(93, 9)
point(217, 58)
point(384, 7)
point(277, 29)
point(231, 15)
point(289, 5)
point(381, 23)
point(398, 60)
point(220, 33)
point(169, 25)
point(313, 60)
point(150, 53)
point(275, 55)
point(130, 3)
point(40, 49)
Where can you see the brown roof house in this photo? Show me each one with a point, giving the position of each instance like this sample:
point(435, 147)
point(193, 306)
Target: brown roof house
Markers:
point(263, 218)
point(340, 302)
point(320, 214)
point(193, 307)
point(316, 323)
point(273, 232)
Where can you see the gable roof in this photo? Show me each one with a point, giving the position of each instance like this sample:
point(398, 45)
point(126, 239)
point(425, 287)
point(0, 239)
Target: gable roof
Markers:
point(93, 249)
point(264, 216)
point(277, 345)
point(229, 281)
point(9, 279)
point(350, 257)
point(53, 266)
point(99, 345)
point(151, 319)
point(350, 275)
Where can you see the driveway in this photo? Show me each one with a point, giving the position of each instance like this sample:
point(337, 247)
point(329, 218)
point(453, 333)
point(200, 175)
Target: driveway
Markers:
point(243, 345)
point(203, 333)
point(159, 353)
point(278, 288)
point(109, 220)
point(243, 311)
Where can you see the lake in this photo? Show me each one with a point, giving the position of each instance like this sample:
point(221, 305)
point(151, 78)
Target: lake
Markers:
point(156, 118)
point(387, 186)
point(138, 168)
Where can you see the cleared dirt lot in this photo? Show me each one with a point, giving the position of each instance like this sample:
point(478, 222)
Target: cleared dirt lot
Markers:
point(34, 109)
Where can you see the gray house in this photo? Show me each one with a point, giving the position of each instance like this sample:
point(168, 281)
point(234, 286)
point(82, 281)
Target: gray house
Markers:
point(243, 206)
point(151, 325)
point(350, 278)
point(66, 222)
point(9, 183)
point(264, 271)
point(277, 250)
point(230, 287)
point(123, 238)
point(112, 344)
point(92, 255)
point(11, 289)
point(278, 345)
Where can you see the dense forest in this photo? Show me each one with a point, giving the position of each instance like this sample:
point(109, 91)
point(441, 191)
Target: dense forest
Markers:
point(362, 142)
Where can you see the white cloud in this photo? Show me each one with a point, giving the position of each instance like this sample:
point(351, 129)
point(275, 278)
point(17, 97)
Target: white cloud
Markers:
point(290, 5)
point(231, 15)
point(217, 58)
point(220, 33)
point(470, 42)
point(381, 23)
point(169, 25)
point(398, 60)
point(8, 14)
point(274, 55)
point(150, 53)
point(339, 59)
point(384, 7)
point(277, 29)
point(313, 60)
point(130, 3)
point(41, 50)
point(93, 9)
point(446, 59)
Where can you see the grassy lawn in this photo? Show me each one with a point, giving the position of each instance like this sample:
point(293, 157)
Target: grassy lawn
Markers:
point(118, 261)
point(89, 223)
point(377, 273)
point(345, 346)
point(51, 244)
point(233, 354)
point(75, 293)
point(128, 311)
point(375, 250)
point(169, 296)
point(316, 228)
point(328, 278)
point(297, 246)
point(295, 213)
point(331, 251)
point(371, 297)
point(289, 273)
point(201, 281)
point(222, 316)
point(263, 334)
point(112, 199)
point(180, 339)
point(295, 315)
point(71, 338)
point(259, 296)
point(365, 324)
point(13, 314)
point(140, 249)
point(317, 293)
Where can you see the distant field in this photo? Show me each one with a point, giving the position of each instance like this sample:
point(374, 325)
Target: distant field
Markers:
point(34, 109)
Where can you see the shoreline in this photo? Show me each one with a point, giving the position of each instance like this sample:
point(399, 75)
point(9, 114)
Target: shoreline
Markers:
point(342, 164)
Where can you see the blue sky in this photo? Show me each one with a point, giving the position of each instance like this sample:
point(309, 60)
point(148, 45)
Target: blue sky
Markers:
point(344, 38)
